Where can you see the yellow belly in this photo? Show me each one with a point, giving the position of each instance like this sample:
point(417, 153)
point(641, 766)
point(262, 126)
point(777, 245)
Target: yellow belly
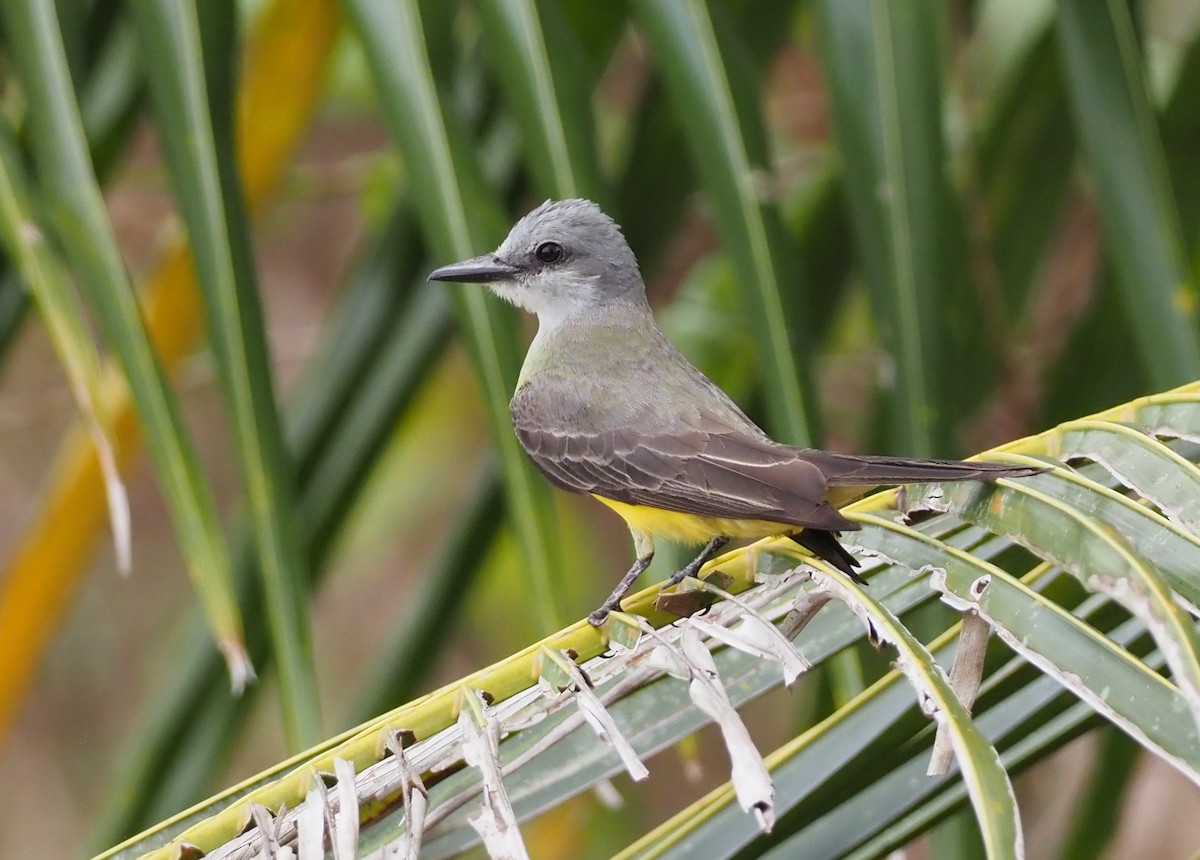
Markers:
point(692, 528)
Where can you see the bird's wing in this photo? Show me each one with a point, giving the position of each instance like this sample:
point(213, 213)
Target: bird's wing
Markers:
point(725, 472)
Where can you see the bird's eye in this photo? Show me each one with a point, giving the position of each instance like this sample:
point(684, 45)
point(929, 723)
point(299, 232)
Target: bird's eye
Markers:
point(549, 252)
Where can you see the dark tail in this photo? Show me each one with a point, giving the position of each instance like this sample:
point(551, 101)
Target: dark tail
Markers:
point(825, 545)
point(853, 469)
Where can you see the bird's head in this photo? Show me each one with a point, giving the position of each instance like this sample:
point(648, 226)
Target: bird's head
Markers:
point(563, 258)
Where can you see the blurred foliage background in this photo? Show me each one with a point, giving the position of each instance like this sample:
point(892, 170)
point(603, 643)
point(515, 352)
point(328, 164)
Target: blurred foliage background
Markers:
point(911, 227)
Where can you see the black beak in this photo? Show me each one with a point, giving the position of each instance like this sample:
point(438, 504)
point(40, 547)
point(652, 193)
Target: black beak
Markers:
point(479, 270)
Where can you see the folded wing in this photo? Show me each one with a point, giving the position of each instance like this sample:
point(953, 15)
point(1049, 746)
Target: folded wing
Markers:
point(721, 474)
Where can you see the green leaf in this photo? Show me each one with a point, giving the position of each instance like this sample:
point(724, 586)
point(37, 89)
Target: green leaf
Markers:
point(200, 151)
point(882, 68)
point(108, 102)
point(712, 91)
point(654, 184)
point(75, 212)
point(461, 218)
point(902, 803)
point(387, 334)
point(405, 658)
point(987, 783)
point(1138, 460)
point(1172, 551)
point(821, 224)
point(1179, 122)
point(1127, 169)
point(1091, 374)
point(1114, 683)
point(351, 405)
point(1043, 514)
point(1080, 644)
point(535, 56)
point(110, 96)
point(1025, 147)
point(26, 244)
point(885, 798)
point(660, 714)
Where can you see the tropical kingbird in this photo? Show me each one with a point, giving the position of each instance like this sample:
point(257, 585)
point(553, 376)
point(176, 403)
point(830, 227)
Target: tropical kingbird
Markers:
point(606, 405)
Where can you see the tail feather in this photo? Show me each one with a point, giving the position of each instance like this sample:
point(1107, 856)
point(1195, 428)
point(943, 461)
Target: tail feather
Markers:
point(824, 544)
point(851, 470)
point(848, 469)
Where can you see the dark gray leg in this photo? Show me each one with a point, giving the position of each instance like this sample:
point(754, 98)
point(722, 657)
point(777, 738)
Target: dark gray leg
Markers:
point(693, 567)
point(614, 600)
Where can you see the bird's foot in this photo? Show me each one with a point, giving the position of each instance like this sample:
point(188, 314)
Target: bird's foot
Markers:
point(597, 618)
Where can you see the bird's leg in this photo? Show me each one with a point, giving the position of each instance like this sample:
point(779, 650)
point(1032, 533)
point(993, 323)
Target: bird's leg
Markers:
point(644, 545)
point(613, 601)
point(693, 567)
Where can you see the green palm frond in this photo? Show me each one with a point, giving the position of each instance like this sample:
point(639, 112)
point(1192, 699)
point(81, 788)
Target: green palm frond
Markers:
point(1102, 648)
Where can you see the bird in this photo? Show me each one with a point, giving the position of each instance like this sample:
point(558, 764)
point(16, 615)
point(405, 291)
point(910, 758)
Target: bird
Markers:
point(605, 405)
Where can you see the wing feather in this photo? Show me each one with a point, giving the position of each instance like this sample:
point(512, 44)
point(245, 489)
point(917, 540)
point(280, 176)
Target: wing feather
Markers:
point(725, 472)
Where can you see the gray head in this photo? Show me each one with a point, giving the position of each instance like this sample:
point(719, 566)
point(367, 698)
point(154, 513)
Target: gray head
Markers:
point(563, 258)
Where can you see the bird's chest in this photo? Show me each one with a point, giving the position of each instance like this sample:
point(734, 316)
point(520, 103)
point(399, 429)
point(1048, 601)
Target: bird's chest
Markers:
point(596, 357)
